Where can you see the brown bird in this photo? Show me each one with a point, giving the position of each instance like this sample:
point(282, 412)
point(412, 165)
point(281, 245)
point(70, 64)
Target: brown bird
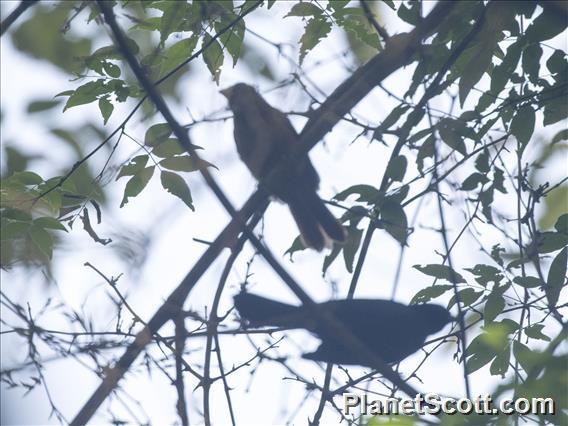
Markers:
point(265, 138)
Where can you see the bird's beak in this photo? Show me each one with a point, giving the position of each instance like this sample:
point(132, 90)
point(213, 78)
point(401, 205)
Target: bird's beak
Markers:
point(227, 92)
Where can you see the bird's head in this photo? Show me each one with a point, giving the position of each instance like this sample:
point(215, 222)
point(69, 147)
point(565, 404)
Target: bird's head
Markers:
point(239, 95)
point(434, 317)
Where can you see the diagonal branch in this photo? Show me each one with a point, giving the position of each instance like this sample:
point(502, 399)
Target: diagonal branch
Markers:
point(11, 18)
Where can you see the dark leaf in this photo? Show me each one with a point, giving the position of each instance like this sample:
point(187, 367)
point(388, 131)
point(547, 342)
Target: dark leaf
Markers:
point(429, 293)
point(184, 163)
point(135, 165)
point(531, 61)
point(493, 307)
point(106, 108)
point(522, 126)
point(367, 194)
point(42, 105)
point(396, 169)
point(473, 180)
point(168, 148)
point(535, 332)
point(561, 224)
point(486, 274)
point(304, 9)
point(452, 134)
point(466, 297)
point(556, 277)
point(174, 184)
point(394, 220)
point(316, 29)
point(500, 364)
point(157, 134)
point(42, 240)
point(441, 272)
point(47, 222)
point(213, 57)
point(351, 246)
point(137, 183)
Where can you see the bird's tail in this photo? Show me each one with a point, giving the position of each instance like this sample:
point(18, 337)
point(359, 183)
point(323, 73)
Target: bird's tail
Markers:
point(260, 311)
point(317, 224)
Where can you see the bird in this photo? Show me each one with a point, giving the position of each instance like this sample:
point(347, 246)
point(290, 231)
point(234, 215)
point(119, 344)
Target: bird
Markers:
point(390, 330)
point(265, 138)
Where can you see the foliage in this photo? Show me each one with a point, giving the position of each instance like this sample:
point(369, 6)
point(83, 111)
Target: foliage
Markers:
point(504, 89)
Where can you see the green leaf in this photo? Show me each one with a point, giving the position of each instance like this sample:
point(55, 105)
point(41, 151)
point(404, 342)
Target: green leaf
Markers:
point(503, 72)
point(328, 260)
point(42, 105)
point(561, 224)
point(556, 107)
point(213, 57)
point(499, 180)
point(473, 180)
point(547, 242)
point(390, 119)
point(394, 220)
point(451, 132)
point(477, 65)
point(157, 134)
point(522, 126)
point(426, 150)
point(174, 13)
point(367, 194)
point(562, 135)
point(500, 364)
point(546, 25)
point(174, 184)
point(479, 353)
point(106, 108)
point(13, 229)
point(486, 274)
point(298, 245)
point(557, 64)
point(316, 29)
point(178, 53)
point(527, 282)
point(168, 148)
point(531, 61)
point(482, 162)
point(184, 163)
point(351, 246)
point(466, 296)
point(87, 93)
point(135, 165)
point(136, 184)
point(429, 293)
point(42, 240)
point(27, 178)
point(49, 223)
point(111, 69)
point(233, 40)
point(304, 9)
point(441, 272)
point(396, 169)
point(493, 306)
point(526, 356)
point(360, 30)
point(496, 251)
point(556, 277)
point(410, 14)
point(535, 332)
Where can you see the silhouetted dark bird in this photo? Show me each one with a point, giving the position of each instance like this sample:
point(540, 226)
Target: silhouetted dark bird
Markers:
point(265, 137)
point(390, 330)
